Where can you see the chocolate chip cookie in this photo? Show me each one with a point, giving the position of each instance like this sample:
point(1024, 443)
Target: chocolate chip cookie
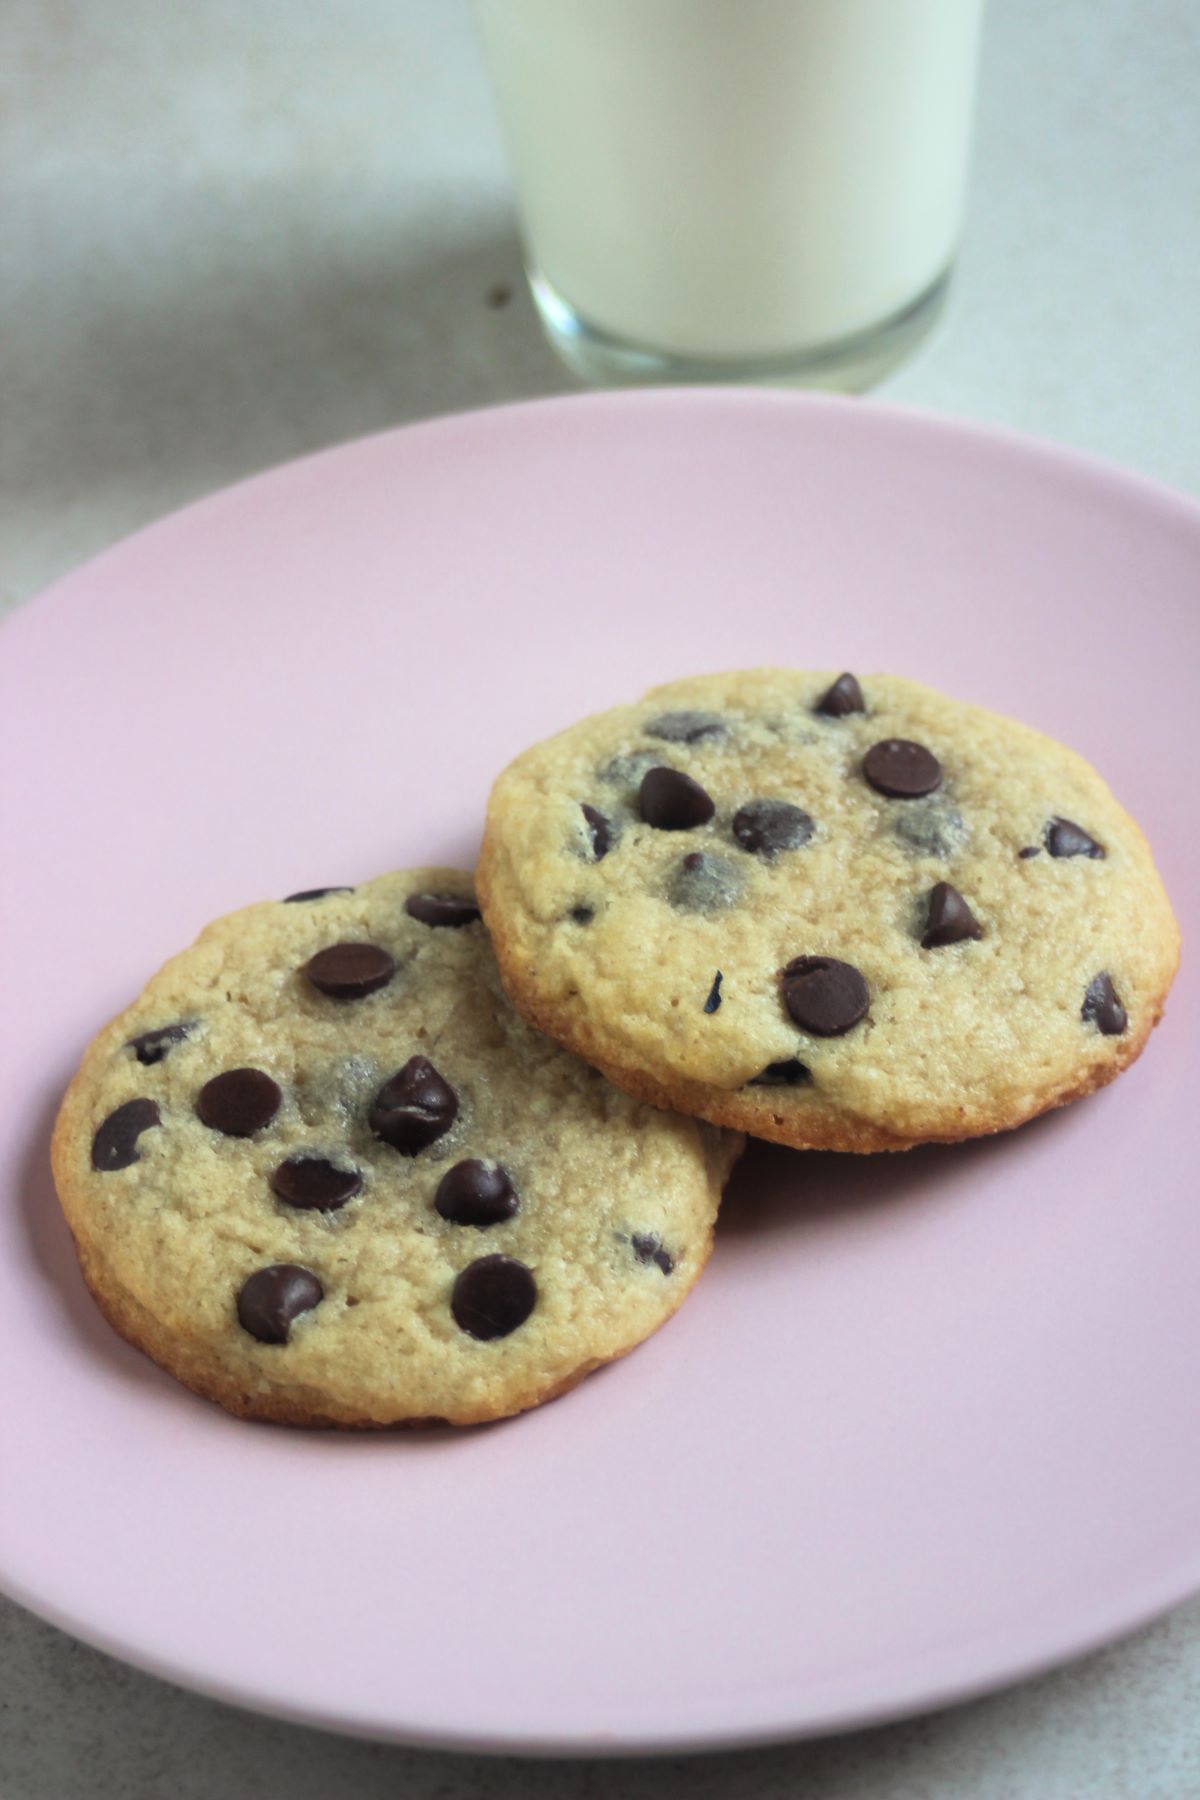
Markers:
point(323, 1173)
point(842, 914)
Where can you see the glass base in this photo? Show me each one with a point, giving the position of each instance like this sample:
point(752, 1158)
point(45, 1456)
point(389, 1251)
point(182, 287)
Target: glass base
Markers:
point(847, 366)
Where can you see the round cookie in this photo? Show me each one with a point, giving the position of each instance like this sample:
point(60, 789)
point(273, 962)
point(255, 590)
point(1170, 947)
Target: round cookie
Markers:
point(839, 915)
point(324, 1174)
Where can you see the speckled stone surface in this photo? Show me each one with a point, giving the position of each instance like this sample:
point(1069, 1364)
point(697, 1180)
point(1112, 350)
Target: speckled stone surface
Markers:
point(231, 238)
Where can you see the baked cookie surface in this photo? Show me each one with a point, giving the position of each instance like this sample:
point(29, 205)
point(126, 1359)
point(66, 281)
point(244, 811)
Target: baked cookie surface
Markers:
point(323, 1173)
point(838, 914)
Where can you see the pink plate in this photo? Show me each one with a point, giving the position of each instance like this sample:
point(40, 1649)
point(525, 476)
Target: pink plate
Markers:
point(930, 1423)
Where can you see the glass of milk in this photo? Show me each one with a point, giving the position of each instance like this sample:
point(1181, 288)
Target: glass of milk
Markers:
point(734, 190)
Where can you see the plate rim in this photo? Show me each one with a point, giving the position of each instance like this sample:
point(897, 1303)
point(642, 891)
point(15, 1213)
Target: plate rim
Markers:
point(1008, 439)
point(628, 1745)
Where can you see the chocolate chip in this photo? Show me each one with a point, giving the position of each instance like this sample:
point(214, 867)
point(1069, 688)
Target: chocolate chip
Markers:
point(789, 1073)
point(599, 830)
point(239, 1102)
point(901, 769)
point(824, 996)
point(314, 894)
point(272, 1297)
point(1102, 1008)
point(929, 827)
point(350, 971)
point(704, 883)
point(414, 1108)
point(583, 915)
point(649, 1249)
point(671, 801)
point(765, 827)
point(685, 727)
point(115, 1144)
point(1028, 851)
point(845, 696)
point(314, 1185)
point(714, 993)
point(152, 1046)
point(1065, 838)
point(472, 1193)
point(492, 1296)
point(442, 909)
point(950, 919)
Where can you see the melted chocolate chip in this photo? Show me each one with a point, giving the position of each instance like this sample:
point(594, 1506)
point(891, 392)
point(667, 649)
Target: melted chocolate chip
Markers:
point(950, 919)
point(901, 769)
point(845, 696)
point(1065, 838)
point(685, 727)
point(1102, 1008)
point(765, 827)
point(152, 1046)
point(115, 1144)
point(442, 909)
point(671, 801)
point(824, 996)
point(314, 894)
point(414, 1108)
point(342, 1087)
point(649, 1249)
point(492, 1296)
point(350, 971)
point(714, 993)
point(929, 828)
point(1028, 851)
point(627, 769)
point(239, 1102)
point(789, 1073)
point(472, 1193)
point(599, 830)
point(272, 1297)
point(315, 1185)
point(704, 883)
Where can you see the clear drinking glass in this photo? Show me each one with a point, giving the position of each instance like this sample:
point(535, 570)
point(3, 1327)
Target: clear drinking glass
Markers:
point(735, 190)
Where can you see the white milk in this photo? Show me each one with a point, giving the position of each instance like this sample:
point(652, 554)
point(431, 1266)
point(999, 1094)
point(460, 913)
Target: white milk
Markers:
point(736, 179)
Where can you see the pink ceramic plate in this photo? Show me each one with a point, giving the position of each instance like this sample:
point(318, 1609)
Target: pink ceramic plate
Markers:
point(930, 1423)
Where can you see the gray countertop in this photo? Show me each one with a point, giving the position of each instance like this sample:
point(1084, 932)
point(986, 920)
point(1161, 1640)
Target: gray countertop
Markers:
point(233, 233)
